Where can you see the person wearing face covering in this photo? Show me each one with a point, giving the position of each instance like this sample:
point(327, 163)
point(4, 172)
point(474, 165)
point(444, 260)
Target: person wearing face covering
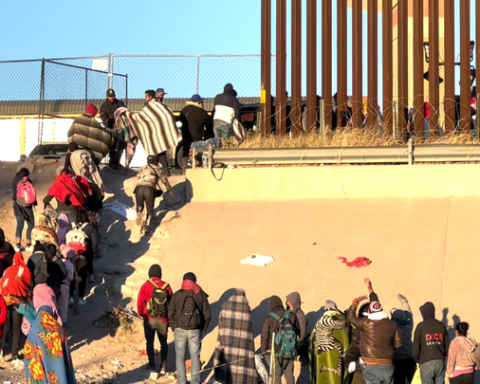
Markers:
point(23, 212)
point(282, 366)
point(152, 305)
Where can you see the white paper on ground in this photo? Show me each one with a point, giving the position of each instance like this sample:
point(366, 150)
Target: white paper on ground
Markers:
point(258, 260)
point(121, 209)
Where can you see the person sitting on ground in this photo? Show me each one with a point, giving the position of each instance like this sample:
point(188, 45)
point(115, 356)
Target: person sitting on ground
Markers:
point(43, 231)
point(403, 362)
point(197, 125)
point(189, 313)
point(44, 364)
point(461, 357)
point(380, 338)
point(430, 346)
point(15, 283)
point(234, 356)
point(6, 253)
point(88, 133)
point(352, 356)
point(147, 189)
point(279, 318)
point(23, 209)
point(152, 305)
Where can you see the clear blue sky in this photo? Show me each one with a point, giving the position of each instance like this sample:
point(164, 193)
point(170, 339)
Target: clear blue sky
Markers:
point(48, 29)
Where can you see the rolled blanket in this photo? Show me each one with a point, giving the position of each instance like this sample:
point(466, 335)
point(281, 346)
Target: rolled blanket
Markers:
point(87, 132)
point(83, 166)
point(154, 126)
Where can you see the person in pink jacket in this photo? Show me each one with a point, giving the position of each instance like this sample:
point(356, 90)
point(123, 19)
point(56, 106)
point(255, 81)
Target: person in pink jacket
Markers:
point(461, 359)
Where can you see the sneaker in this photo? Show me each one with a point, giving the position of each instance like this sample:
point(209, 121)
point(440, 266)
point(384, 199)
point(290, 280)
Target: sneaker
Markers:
point(81, 302)
point(29, 248)
point(18, 248)
point(148, 368)
point(163, 372)
point(91, 279)
point(71, 301)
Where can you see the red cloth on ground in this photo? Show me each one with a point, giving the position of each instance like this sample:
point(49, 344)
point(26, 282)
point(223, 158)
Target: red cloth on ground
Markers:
point(3, 313)
point(145, 295)
point(66, 187)
point(16, 280)
point(189, 284)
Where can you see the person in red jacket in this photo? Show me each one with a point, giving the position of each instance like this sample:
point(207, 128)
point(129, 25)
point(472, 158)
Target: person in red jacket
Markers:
point(3, 314)
point(152, 304)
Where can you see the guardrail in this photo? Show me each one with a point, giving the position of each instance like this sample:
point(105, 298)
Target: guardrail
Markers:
point(350, 155)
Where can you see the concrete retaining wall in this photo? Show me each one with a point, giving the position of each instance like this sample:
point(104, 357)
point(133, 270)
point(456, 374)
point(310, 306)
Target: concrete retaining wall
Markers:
point(332, 182)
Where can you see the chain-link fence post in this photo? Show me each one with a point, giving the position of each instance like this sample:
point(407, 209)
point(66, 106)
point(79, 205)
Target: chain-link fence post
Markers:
point(198, 74)
point(41, 108)
point(86, 87)
point(126, 89)
point(111, 58)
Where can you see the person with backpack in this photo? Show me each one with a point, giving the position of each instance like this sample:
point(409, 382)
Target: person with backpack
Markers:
point(284, 327)
point(152, 305)
point(380, 338)
point(83, 239)
point(37, 255)
point(24, 199)
point(234, 354)
point(147, 189)
point(189, 314)
point(461, 356)
point(6, 253)
point(52, 266)
point(430, 346)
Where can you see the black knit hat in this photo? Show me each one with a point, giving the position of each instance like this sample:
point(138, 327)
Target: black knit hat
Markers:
point(190, 276)
point(38, 247)
point(155, 271)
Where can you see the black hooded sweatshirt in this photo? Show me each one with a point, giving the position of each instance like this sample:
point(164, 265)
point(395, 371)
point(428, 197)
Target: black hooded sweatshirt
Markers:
point(271, 325)
point(431, 340)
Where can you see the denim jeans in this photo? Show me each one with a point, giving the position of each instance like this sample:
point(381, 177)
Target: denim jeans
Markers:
point(222, 130)
point(21, 223)
point(433, 372)
point(378, 374)
point(192, 338)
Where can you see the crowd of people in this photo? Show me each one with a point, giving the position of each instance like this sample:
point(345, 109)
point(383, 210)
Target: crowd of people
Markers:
point(360, 344)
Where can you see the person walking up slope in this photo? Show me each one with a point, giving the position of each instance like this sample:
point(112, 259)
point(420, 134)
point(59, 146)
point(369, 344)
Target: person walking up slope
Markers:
point(152, 304)
point(430, 346)
point(189, 315)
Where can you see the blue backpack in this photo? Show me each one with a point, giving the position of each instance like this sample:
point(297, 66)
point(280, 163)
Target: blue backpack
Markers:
point(286, 338)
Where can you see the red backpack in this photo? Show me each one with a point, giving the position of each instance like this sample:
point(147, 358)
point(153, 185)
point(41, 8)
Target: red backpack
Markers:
point(26, 193)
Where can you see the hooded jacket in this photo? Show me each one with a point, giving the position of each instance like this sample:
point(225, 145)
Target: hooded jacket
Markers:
point(296, 302)
point(189, 288)
point(380, 336)
point(271, 325)
point(197, 124)
point(227, 107)
point(404, 319)
point(16, 280)
point(431, 340)
point(461, 354)
point(145, 294)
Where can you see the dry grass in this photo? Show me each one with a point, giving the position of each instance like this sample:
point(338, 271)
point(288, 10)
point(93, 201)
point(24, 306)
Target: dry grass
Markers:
point(341, 138)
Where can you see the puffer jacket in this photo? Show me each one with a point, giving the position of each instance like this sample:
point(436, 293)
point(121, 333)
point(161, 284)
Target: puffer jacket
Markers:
point(272, 325)
point(87, 132)
point(380, 336)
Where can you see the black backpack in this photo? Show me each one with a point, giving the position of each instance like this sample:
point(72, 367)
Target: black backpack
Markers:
point(190, 316)
point(157, 306)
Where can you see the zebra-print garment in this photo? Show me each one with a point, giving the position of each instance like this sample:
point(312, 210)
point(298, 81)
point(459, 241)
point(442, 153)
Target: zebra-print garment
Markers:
point(324, 328)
